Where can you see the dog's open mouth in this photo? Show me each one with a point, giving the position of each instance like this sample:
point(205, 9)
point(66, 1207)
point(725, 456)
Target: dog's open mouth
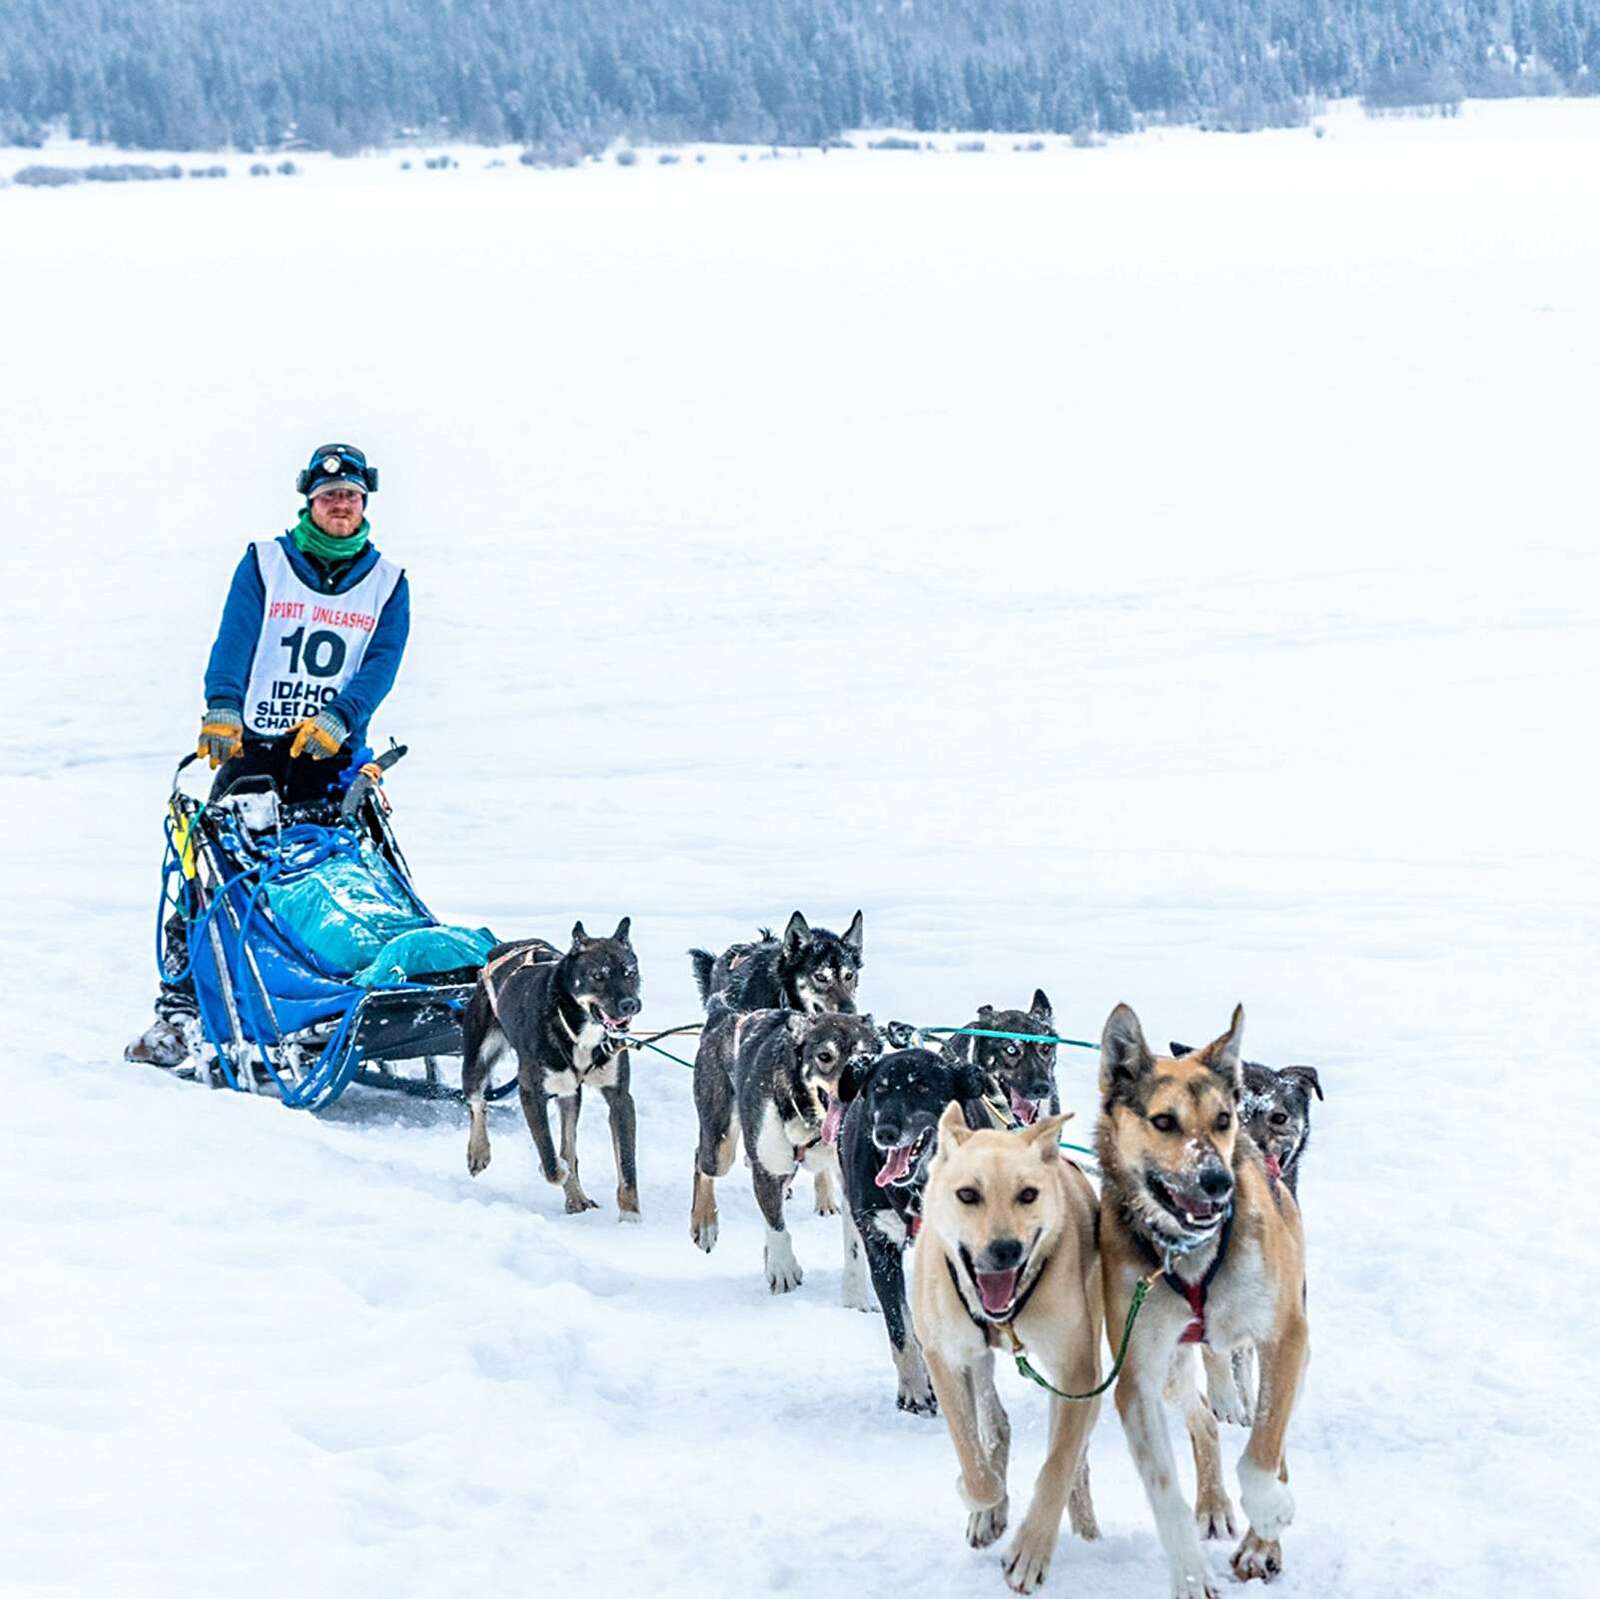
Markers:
point(1197, 1213)
point(1274, 1170)
point(612, 1024)
point(1025, 1110)
point(900, 1162)
point(832, 1116)
point(997, 1290)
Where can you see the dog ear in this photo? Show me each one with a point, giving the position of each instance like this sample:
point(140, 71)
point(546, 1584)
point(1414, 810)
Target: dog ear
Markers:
point(1306, 1075)
point(854, 1078)
point(795, 936)
point(986, 1014)
point(1180, 1049)
point(1124, 1055)
point(797, 1024)
point(1045, 1135)
point(1222, 1054)
point(953, 1129)
point(621, 934)
point(971, 1081)
point(579, 937)
point(1040, 1009)
point(852, 937)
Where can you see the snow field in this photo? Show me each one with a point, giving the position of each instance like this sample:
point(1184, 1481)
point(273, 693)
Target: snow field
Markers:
point(1162, 573)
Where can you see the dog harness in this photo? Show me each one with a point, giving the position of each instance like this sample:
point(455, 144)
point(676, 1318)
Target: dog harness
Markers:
point(1195, 1292)
point(534, 953)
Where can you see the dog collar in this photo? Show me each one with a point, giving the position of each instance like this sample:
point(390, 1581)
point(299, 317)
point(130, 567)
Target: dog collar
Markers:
point(1194, 1294)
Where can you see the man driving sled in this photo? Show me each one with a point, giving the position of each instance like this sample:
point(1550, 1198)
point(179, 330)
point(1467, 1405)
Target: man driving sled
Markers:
point(310, 643)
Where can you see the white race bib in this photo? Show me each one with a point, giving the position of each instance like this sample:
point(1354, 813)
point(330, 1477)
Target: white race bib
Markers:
point(311, 644)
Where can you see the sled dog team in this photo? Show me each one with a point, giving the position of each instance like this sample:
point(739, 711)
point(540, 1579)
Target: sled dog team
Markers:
point(957, 1150)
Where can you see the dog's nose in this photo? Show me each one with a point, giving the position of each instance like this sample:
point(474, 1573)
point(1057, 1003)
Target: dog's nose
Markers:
point(1003, 1253)
point(886, 1135)
point(1216, 1182)
point(628, 1007)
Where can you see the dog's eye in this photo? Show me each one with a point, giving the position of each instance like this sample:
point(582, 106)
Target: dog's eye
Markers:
point(849, 979)
point(824, 976)
point(1163, 1123)
point(1224, 1122)
point(827, 1054)
point(1027, 1196)
point(968, 1196)
point(1279, 1118)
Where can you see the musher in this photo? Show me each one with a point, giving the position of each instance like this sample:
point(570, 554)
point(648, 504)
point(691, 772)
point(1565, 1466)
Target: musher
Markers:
point(310, 643)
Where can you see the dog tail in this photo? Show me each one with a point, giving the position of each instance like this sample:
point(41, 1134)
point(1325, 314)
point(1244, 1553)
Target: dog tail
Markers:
point(702, 960)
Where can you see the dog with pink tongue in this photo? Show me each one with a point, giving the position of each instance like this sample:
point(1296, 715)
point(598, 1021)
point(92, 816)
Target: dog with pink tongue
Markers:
point(1007, 1260)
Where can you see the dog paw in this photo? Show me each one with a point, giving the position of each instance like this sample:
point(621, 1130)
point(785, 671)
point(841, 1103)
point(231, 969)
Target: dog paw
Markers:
point(1028, 1563)
point(556, 1175)
point(629, 1215)
point(477, 1157)
point(578, 1202)
point(784, 1274)
point(1215, 1518)
point(919, 1401)
point(984, 1527)
point(1257, 1557)
point(704, 1234)
point(1195, 1584)
point(1225, 1402)
point(1268, 1505)
point(856, 1297)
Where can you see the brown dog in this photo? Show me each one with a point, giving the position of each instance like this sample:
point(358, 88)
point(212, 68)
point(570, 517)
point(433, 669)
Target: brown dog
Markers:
point(1187, 1203)
point(1007, 1258)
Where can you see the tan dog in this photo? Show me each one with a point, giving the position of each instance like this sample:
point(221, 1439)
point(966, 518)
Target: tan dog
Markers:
point(1007, 1257)
point(1187, 1202)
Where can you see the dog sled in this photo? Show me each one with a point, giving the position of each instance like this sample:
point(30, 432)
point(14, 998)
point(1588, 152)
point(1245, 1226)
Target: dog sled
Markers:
point(314, 961)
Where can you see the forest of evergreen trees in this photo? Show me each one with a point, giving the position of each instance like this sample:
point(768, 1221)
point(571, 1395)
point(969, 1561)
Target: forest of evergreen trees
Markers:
point(345, 74)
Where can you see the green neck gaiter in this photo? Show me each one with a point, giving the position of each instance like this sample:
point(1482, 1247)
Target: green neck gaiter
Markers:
point(309, 539)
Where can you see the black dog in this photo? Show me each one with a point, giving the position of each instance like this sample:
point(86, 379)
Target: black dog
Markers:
point(1276, 1112)
point(776, 1073)
point(808, 969)
point(563, 1016)
point(888, 1136)
point(1024, 1074)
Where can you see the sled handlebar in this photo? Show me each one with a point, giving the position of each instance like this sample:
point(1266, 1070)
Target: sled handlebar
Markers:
point(365, 780)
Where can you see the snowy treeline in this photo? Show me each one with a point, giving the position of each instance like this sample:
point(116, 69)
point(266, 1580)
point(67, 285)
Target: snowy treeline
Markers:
point(184, 74)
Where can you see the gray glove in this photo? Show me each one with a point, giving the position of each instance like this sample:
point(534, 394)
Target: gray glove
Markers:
point(221, 735)
point(321, 736)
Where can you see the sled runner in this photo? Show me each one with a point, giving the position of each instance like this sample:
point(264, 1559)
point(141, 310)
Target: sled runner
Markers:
point(314, 961)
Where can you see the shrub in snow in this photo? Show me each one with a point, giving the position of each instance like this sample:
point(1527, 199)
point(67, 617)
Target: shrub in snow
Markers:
point(287, 169)
point(260, 169)
point(1032, 147)
point(970, 146)
point(893, 141)
point(208, 172)
point(700, 158)
point(626, 158)
point(48, 177)
point(668, 158)
point(440, 163)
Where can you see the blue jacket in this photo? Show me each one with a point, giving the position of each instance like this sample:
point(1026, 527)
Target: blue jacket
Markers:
point(228, 671)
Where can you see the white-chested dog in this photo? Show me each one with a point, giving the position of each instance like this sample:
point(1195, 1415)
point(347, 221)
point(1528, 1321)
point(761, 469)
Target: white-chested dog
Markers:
point(1007, 1259)
point(1187, 1201)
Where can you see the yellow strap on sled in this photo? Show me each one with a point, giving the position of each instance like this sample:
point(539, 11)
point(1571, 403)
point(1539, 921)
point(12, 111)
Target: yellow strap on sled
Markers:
point(181, 842)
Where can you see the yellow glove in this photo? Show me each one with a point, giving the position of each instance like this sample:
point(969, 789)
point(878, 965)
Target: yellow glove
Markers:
point(221, 735)
point(321, 737)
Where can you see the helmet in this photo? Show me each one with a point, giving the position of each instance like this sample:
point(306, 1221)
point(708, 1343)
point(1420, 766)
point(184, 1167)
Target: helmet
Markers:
point(337, 464)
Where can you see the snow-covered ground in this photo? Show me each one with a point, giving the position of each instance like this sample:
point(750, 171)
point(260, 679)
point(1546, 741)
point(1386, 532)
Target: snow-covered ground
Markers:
point(1165, 572)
